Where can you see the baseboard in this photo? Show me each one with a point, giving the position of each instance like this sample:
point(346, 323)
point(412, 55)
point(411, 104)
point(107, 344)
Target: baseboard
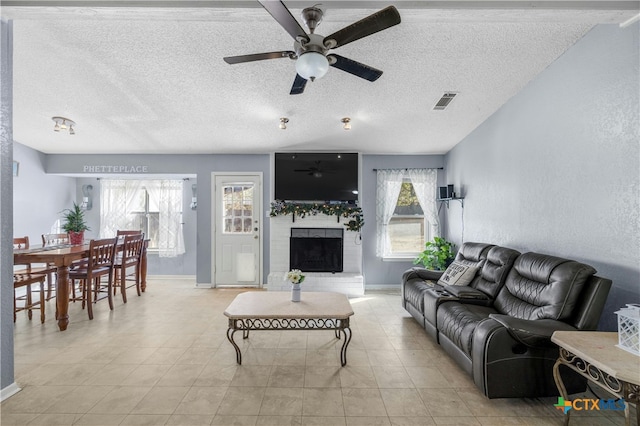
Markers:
point(172, 277)
point(204, 285)
point(381, 287)
point(9, 391)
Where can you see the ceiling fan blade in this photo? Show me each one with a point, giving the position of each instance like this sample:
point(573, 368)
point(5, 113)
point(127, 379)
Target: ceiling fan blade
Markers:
point(298, 85)
point(280, 13)
point(356, 68)
point(259, 57)
point(379, 21)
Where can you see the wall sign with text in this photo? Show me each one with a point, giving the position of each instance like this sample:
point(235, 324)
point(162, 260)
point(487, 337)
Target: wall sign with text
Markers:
point(115, 169)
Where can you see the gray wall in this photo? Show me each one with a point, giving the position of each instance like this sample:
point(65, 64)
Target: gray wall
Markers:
point(556, 169)
point(38, 198)
point(6, 204)
point(377, 271)
point(197, 223)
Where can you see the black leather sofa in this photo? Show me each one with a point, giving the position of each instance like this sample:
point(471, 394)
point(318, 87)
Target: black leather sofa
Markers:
point(498, 328)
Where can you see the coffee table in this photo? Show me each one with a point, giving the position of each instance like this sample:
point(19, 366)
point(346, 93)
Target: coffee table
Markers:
point(274, 310)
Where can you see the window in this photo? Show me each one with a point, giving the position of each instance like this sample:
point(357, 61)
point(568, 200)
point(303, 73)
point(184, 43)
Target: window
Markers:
point(152, 206)
point(406, 212)
point(408, 228)
point(145, 216)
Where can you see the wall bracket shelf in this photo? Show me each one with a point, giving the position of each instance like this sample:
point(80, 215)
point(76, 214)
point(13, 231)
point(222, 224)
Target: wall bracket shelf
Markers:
point(445, 201)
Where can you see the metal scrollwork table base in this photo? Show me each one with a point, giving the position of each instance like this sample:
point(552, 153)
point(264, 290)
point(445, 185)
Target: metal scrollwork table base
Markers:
point(274, 310)
point(594, 355)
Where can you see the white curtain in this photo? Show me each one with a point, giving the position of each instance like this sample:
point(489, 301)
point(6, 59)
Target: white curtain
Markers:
point(425, 183)
point(117, 199)
point(167, 194)
point(389, 184)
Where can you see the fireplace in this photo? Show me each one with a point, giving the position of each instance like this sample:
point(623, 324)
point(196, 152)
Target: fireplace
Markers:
point(316, 249)
point(350, 281)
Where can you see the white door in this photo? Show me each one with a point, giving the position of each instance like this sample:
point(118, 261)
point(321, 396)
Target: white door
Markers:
point(237, 203)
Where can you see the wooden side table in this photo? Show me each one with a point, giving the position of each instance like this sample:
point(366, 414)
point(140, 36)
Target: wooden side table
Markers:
point(594, 355)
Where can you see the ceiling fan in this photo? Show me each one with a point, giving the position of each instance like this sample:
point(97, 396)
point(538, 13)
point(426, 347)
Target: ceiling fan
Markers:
point(316, 171)
point(310, 51)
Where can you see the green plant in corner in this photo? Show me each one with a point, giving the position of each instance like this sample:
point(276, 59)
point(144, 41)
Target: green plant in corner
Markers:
point(437, 255)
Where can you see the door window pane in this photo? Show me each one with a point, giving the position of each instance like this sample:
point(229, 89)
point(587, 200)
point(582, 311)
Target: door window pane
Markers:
point(237, 209)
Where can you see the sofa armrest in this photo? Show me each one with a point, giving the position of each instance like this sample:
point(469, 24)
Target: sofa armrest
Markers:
point(465, 292)
point(422, 273)
point(532, 333)
point(503, 367)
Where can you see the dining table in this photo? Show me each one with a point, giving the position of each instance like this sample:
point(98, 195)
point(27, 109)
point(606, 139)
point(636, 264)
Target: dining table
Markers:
point(61, 257)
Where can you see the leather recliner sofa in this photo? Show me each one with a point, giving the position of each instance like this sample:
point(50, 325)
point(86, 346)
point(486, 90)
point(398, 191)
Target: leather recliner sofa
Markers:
point(499, 327)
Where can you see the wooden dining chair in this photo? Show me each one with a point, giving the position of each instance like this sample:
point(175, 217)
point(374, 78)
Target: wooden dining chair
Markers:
point(123, 232)
point(51, 240)
point(129, 256)
point(99, 265)
point(26, 281)
point(22, 243)
point(23, 279)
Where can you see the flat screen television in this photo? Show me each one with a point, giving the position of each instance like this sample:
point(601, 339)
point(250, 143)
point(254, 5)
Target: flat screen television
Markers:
point(316, 176)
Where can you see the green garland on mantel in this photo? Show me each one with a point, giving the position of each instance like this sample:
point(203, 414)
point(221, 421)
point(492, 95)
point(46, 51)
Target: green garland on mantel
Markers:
point(354, 214)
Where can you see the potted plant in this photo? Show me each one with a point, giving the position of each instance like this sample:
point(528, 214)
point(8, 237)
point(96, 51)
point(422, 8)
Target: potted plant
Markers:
point(438, 254)
point(75, 224)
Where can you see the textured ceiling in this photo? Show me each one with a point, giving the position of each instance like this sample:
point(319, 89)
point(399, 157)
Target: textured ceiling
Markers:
point(152, 80)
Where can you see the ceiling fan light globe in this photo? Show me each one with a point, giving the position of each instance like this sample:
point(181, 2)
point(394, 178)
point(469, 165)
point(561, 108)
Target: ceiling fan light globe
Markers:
point(312, 65)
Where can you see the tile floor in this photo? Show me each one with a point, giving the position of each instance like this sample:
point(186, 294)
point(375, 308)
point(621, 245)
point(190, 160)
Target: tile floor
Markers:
point(163, 359)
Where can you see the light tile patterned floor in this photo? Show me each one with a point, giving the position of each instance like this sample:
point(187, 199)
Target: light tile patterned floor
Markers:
point(163, 358)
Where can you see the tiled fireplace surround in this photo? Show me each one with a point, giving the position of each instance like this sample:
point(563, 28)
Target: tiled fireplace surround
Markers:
point(349, 282)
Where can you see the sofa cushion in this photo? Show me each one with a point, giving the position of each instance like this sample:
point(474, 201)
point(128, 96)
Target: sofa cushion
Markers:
point(414, 293)
point(473, 254)
point(542, 287)
point(458, 274)
point(495, 270)
point(458, 321)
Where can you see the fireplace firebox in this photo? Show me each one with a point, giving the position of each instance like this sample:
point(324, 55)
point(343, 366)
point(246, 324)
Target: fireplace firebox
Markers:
point(316, 249)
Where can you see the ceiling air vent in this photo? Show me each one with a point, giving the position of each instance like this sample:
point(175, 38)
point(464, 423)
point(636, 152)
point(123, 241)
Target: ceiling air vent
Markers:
point(444, 101)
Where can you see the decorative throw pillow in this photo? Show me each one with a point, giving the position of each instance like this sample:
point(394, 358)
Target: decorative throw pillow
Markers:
point(458, 274)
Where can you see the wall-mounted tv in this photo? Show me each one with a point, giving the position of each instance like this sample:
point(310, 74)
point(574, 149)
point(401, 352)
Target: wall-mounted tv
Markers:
point(316, 176)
